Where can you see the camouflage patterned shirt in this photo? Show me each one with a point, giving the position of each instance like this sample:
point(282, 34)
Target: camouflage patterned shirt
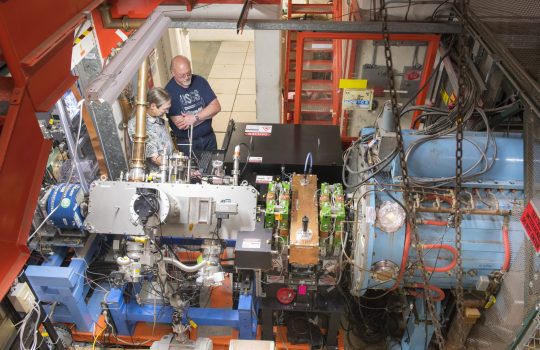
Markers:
point(158, 141)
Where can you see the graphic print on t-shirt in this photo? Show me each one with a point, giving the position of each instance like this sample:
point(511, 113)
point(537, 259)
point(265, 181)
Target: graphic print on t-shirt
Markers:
point(191, 101)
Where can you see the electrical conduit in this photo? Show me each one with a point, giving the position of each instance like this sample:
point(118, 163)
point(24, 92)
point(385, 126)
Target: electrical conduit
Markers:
point(507, 250)
point(443, 268)
point(404, 258)
point(184, 267)
point(439, 293)
point(434, 223)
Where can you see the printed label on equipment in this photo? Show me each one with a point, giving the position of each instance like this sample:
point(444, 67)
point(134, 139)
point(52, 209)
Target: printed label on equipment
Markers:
point(357, 99)
point(275, 279)
point(258, 130)
point(255, 160)
point(65, 202)
point(263, 179)
point(371, 215)
point(251, 243)
point(321, 46)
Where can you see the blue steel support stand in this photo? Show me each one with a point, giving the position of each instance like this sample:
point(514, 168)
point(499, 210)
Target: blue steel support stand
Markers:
point(126, 314)
point(419, 330)
point(66, 287)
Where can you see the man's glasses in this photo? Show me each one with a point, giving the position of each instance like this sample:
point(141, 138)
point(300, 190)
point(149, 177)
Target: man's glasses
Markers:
point(184, 76)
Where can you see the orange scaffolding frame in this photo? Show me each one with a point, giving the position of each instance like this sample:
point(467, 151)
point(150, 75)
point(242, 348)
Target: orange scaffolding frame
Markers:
point(431, 52)
point(337, 10)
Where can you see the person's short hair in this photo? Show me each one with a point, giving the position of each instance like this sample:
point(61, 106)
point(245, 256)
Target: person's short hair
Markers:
point(157, 95)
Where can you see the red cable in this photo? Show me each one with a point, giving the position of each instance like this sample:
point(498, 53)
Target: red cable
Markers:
point(507, 251)
point(404, 257)
point(434, 223)
point(443, 268)
point(446, 199)
point(439, 293)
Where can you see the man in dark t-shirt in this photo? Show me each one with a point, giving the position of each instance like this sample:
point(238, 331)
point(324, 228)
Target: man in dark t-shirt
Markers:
point(192, 103)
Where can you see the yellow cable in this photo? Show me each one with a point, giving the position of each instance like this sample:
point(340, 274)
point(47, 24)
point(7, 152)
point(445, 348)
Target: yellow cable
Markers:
point(97, 337)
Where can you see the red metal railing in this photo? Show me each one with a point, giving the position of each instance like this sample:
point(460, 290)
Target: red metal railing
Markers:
point(431, 52)
point(38, 56)
point(292, 64)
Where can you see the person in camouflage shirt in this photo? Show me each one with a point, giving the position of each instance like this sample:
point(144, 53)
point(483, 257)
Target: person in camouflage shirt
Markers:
point(159, 140)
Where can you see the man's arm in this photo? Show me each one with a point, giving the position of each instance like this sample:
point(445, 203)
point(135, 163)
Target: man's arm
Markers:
point(206, 113)
point(177, 120)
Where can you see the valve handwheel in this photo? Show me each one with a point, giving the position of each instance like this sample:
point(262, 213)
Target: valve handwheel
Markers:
point(285, 295)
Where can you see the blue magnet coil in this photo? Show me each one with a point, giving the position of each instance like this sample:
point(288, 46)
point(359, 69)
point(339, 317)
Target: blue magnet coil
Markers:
point(67, 198)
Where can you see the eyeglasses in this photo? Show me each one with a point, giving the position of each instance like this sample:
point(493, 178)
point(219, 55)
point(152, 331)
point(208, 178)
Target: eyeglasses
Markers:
point(184, 76)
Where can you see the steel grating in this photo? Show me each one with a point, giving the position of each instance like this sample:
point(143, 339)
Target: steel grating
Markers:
point(534, 341)
point(520, 291)
point(501, 9)
point(516, 26)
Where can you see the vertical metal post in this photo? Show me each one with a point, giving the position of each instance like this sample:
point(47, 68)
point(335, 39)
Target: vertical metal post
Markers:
point(532, 190)
point(336, 75)
point(138, 159)
point(118, 310)
point(333, 327)
point(245, 317)
point(44, 320)
point(419, 330)
point(267, 324)
point(298, 77)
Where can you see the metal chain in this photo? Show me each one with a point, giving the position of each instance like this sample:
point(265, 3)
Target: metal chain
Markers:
point(460, 303)
point(408, 198)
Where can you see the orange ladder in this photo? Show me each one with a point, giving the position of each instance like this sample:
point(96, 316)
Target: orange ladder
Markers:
point(319, 74)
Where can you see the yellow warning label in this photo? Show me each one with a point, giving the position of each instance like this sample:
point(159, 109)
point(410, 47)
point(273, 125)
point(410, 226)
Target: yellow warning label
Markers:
point(352, 83)
point(83, 35)
point(492, 300)
point(444, 96)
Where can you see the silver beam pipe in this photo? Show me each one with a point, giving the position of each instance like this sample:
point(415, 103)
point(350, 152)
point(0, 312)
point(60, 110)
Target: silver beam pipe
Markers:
point(164, 167)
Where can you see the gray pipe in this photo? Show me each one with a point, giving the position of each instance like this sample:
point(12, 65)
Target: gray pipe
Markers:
point(185, 268)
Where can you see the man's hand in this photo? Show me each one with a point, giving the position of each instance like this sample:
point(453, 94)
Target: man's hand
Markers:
point(185, 121)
